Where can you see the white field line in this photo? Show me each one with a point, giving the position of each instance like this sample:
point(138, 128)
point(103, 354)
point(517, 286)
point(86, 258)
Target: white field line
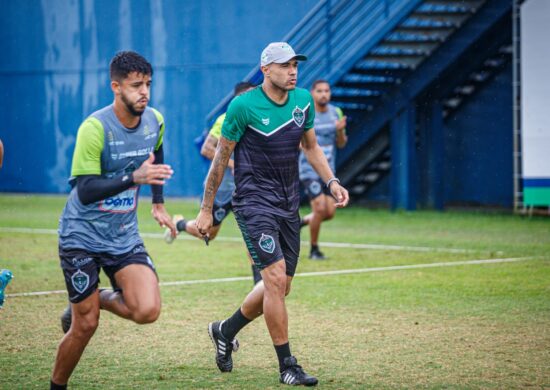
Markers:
point(306, 274)
point(239, 239)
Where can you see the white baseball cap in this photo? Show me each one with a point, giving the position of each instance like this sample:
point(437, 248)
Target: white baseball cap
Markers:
point(279, 53)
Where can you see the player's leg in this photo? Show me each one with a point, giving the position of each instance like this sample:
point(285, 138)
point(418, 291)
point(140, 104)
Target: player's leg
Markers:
point(318, 206)
point(85, 319)
point(290, 372)
point(256, 275)
point(263, 250)
point(136, 294)
point(275, 281)
point(219, 212)
point(330, 207)
point(191, 228)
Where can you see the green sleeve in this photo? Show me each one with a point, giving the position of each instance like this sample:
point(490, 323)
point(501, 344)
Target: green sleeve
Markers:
point(236, 121)
point(88, 148)
point(216, 130)
point(160, 119)
point(340, 115)
point(310, 115)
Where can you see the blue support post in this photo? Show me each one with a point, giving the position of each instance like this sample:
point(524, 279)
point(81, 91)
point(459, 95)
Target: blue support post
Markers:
point(436, 153)
point(403, 155)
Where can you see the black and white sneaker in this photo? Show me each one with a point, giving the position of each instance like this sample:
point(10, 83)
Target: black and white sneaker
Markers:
point(294, 375)
point(316, 254)
point(66, 318)
point(222, 346)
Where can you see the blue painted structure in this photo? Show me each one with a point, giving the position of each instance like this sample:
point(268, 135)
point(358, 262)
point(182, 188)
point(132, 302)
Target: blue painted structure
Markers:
point(54, 72)
point(382, 56)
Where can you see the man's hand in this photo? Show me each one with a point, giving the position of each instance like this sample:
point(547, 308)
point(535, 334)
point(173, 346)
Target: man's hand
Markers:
point(340, 194)
point(149, 173)
point(163, 218)
point(204, 221)
point(341, 123)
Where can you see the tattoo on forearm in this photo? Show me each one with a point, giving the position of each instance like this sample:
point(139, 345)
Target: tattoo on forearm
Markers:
point(215, 174)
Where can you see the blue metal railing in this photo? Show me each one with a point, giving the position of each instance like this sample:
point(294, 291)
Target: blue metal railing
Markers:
point(334, 35)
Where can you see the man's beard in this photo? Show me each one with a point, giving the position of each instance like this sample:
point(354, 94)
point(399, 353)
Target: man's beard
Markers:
point(130, 107)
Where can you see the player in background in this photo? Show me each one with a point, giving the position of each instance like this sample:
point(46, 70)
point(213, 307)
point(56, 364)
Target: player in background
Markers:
point(222, 202)
point(118, 148)
point(265, 128)
point(330, 129)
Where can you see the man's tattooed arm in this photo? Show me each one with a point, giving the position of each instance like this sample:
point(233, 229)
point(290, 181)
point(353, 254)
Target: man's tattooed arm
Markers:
point(215, 174)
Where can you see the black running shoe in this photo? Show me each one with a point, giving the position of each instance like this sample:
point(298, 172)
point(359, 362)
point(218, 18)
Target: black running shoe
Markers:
point(316, 254)
point(66, 318)
point(293, 374)
point(222, 346)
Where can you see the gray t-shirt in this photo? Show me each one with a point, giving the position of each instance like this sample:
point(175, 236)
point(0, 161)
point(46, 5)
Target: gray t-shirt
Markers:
point(325, 130)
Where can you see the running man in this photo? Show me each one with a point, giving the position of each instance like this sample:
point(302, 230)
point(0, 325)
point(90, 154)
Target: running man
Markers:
point(330, 129)
point(117, 149)
point(264, 128)
point(222, 202)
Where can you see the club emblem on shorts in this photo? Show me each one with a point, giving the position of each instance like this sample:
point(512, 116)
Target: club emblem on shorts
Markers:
point(267, 243)
point(315, 187)
point(298, 116)
point(219, 214)
point(80, 281)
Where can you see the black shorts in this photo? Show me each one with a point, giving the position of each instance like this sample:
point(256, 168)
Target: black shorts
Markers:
point(219, 212)
point(314, 187)
point(81, 268)
point(270, 237)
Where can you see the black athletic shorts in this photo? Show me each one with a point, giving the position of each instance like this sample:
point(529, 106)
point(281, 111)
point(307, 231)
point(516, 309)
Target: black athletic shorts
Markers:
point(270, 237)
point(81, 268)
point(314, 187)
point(219, 212)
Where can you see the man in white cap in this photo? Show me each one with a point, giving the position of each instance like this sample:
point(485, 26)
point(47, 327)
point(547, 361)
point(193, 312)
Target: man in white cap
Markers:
point(265, 127)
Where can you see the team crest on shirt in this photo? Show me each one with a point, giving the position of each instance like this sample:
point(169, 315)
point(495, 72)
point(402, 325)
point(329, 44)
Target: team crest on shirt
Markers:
point(265, 121)
point(298, 116)
point(267, 243)
point(80, 281)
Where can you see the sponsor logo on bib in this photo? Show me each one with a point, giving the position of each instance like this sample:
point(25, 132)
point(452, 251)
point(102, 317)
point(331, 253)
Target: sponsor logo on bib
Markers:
point(124, 202)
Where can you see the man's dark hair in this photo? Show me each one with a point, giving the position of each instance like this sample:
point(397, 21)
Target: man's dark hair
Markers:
point(126, 62)
point(243, 86)
point(317, 82)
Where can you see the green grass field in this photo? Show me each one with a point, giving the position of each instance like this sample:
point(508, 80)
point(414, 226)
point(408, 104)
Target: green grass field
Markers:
point(461, 326)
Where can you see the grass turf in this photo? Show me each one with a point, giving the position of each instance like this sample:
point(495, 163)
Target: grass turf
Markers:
point(466, 326)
